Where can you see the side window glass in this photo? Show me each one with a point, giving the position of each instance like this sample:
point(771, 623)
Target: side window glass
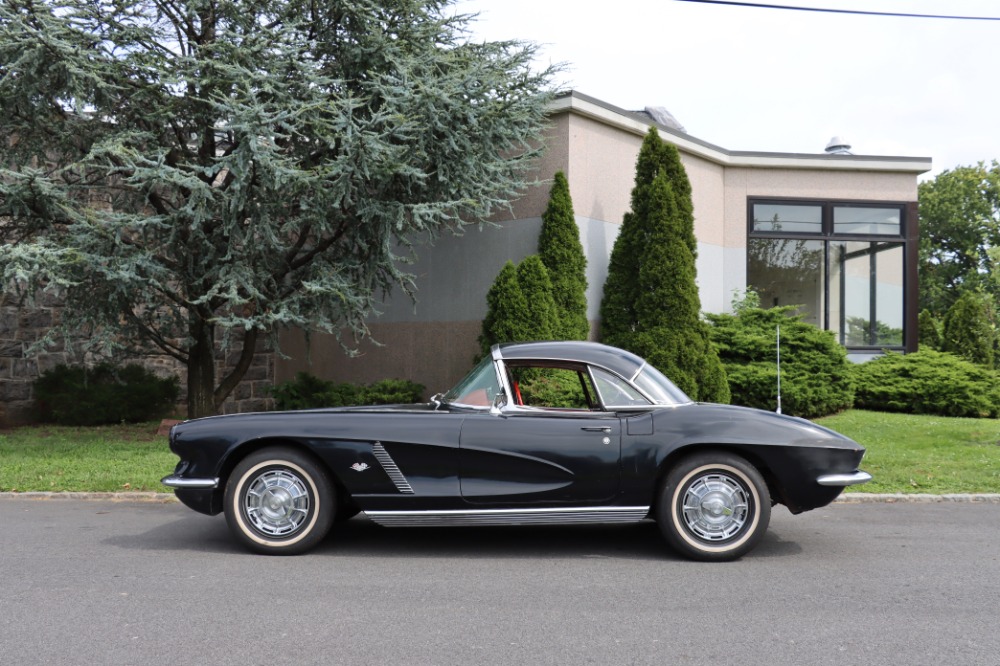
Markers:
point(552, 388)
point(615, 392)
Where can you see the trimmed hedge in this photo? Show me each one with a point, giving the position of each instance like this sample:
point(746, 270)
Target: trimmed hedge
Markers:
point(816, 377)
point(307, 391)
point(103, 394)
point(926, 382)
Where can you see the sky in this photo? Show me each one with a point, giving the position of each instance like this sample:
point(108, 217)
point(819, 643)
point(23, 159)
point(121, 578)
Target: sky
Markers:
point(775, 80)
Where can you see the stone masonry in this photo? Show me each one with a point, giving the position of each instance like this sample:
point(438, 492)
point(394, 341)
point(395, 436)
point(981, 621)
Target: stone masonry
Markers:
point(21, 327)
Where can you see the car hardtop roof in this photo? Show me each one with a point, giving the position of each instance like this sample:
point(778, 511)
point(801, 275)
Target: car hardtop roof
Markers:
point(617, 360)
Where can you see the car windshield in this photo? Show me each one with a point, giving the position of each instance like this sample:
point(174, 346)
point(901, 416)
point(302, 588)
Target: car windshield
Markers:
point(659, 388)
point(478, 388)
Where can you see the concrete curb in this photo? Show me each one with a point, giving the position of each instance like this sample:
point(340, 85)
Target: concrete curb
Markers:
point(160, 498)
point(917, 498)
point(846, 498)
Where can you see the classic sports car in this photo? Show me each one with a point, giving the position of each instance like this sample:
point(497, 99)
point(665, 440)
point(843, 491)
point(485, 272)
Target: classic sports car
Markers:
point(538, 433)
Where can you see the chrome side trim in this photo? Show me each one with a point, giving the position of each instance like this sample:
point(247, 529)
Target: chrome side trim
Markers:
point(389, 465)
point(852, 479)
point(579, 515)
point(173, 481)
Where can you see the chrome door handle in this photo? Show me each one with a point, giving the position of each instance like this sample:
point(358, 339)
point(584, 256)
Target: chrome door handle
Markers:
point(606, 429)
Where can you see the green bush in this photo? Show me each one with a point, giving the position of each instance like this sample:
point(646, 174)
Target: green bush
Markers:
point(506, 311)
point(928, 330)
point(76, 395)
point(816, 377)
point(550, 387)
point(926, 382)
point(969, 330)
point(307, 391)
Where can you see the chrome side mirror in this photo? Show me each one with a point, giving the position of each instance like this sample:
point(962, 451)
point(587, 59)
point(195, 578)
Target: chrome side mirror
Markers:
point(498, 403)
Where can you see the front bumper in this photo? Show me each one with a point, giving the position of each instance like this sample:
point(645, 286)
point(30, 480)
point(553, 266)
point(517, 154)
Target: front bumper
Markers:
point(175, 481)
point(202, 495)
point(843, 480)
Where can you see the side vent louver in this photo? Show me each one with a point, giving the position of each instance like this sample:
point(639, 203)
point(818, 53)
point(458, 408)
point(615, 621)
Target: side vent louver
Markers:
point(389, 465)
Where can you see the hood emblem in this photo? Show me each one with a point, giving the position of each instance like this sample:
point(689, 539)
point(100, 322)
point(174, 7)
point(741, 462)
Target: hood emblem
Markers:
point(359, 467)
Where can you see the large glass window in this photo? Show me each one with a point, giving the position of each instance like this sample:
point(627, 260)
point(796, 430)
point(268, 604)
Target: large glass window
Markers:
point(822, 257)
point(788, 271)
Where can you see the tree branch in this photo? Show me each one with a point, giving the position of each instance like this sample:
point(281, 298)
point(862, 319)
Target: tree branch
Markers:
point(231, 380)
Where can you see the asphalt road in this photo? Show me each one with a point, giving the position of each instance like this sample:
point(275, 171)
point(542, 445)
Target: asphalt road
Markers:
point(119, 583)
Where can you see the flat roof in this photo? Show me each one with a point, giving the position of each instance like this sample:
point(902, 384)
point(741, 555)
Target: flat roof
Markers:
point(637, 123)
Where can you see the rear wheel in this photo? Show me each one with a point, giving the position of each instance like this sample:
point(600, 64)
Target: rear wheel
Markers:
point(279, 501)
point(714, 506)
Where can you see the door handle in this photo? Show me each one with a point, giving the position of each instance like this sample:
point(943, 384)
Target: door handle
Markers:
point(606, 429)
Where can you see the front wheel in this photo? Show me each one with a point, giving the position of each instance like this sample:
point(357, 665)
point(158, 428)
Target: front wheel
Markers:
point(713, 507)
point(279, 501)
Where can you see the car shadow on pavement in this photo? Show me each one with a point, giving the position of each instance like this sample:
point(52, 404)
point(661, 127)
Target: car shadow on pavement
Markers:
point(360, 537)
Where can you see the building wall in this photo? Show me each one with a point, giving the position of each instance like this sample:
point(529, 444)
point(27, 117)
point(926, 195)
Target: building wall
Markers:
point(434, 340)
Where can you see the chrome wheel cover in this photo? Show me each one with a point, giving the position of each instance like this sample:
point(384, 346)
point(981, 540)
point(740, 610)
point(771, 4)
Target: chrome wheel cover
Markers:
point(716, 507)
point(277, 503)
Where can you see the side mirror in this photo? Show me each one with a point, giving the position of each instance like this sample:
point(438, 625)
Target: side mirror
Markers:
point(499, 402)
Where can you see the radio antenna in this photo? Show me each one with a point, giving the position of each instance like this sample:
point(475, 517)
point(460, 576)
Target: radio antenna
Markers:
point(778, 347)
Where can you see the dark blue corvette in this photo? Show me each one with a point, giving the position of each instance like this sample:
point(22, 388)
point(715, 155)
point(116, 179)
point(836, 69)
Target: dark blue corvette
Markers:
point(537, 433)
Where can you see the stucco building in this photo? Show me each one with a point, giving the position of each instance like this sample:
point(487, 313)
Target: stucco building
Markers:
point(833, 232)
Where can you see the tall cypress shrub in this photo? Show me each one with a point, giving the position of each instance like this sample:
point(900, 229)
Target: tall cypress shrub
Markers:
point(562, 253)
point(651, 304)
point(542, 320)
point(519, 305)
point(928, 331)
point(969, 330)
point(507, 311)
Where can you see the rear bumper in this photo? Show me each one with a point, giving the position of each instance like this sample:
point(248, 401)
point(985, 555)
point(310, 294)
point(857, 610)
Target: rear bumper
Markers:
point(842, 480)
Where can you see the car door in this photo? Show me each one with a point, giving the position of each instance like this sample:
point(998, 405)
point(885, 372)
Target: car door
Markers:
point(550, 445)
point(540, 458)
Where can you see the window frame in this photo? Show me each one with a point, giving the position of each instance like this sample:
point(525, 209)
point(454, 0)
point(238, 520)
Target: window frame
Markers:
point(907, 239)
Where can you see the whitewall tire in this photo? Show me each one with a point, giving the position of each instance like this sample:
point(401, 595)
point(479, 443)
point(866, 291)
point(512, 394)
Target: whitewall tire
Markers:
point(279, 501)
point(713, 507)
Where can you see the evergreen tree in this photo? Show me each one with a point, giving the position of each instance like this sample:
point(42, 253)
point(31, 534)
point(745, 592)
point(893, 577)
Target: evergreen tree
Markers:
point(562, 253)
point(507, 313)
point(929, 333)
point(191, 172)
point(542, 320)
point(651, 304)
point(969, 329)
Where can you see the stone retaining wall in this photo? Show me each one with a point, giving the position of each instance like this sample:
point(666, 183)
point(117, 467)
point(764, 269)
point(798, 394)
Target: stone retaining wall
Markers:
point(21, 327)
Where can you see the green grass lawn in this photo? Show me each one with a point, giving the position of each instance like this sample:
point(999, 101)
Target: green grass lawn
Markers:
point(906, 454)
point(102, 459)
point(923, 454)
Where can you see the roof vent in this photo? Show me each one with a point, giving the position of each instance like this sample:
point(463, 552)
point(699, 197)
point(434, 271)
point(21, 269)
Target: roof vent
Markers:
point(838, 146)
point(661, 116)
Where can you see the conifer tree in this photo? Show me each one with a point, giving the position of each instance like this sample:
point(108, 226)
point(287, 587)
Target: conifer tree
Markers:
point(506, 311)
point(969, 329)
point(929, 332)
point(562, 253)
point(189, 173)
point(533, 278)
point(651, 304)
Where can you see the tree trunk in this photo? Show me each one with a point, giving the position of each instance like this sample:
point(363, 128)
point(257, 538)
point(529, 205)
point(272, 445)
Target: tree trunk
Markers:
point(201, 370)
